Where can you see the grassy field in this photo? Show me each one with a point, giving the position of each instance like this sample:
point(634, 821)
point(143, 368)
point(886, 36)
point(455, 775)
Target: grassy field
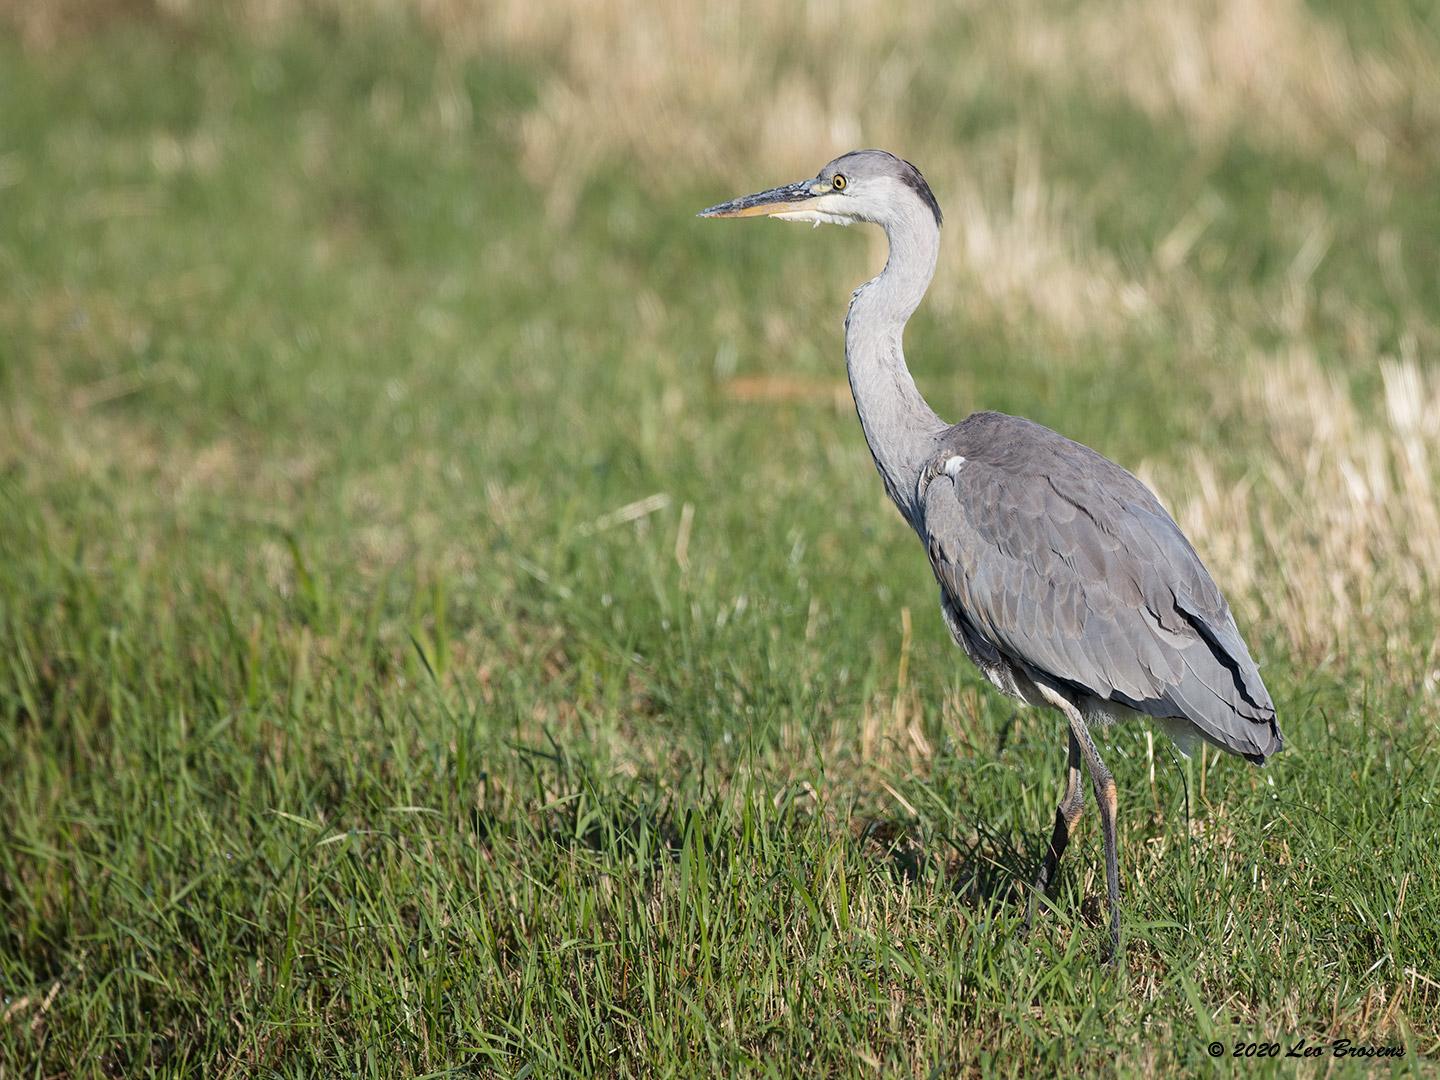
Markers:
point(449, 619)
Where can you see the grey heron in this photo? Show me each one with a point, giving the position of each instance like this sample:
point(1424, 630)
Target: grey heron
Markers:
point(1061, 576)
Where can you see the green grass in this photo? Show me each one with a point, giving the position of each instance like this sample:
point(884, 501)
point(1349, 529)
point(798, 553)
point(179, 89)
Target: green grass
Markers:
point(343, 732)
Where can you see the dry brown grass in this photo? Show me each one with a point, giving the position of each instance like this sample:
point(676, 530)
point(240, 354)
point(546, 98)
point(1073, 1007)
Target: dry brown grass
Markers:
point(1274, 69)
point(1020, 247)
point(753, 93)
point(748, 93)
point(1344, 549)
point(677, 91)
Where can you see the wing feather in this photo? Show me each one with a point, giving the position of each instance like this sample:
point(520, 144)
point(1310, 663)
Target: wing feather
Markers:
point(1070, 567)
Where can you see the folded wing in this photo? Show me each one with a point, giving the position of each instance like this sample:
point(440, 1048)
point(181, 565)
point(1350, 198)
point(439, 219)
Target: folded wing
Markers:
point(1068, 566)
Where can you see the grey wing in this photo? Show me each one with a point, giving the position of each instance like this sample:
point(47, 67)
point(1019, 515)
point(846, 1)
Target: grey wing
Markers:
point(1069, 567)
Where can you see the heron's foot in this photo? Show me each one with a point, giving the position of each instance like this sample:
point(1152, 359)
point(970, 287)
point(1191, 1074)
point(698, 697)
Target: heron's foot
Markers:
point(1112, 954)
point(1037, 897)
point(1028, 926)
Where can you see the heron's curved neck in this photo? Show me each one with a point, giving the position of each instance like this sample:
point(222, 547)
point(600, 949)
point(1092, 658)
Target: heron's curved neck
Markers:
point(900, 427)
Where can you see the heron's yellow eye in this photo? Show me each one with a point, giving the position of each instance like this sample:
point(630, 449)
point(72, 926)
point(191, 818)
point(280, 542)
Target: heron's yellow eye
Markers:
point(839, 182)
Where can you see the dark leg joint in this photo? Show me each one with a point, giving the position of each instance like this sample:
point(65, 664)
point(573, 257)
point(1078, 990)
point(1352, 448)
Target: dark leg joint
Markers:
point(1107, 797)
point(1059, 841)
point(1067, 814)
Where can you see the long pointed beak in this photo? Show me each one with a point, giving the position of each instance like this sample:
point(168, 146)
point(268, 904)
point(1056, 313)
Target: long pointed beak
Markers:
point(778, 200)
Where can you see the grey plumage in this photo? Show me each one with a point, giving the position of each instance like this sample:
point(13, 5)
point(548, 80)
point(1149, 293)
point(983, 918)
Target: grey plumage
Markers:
point(1060, 563)
point(1061, 575)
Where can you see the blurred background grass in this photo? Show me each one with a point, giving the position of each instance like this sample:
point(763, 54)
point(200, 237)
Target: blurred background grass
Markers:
point(449, 616)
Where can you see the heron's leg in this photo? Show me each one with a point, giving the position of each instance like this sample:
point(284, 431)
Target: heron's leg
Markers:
point(1106, 799)
point(1066, 815)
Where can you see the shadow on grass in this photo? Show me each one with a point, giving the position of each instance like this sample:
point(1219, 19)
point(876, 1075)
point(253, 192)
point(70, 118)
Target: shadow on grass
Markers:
point(987, 869)
point(646, 825)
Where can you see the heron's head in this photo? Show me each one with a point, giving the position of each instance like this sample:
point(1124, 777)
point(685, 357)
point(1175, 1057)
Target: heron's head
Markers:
point(863, 185)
